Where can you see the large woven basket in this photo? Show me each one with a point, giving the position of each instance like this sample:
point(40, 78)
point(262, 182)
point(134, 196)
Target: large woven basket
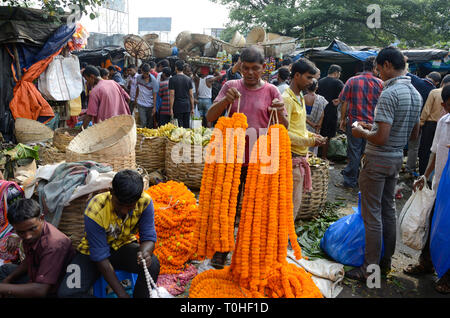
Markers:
point(313, 202)
point(72, 218)
point(200, 39)
point(183, 39)
point(49, 155)
point(162, 50)
point(112, 142)
point(63, 137)
point(150, 152)
point(190, 172)
point(31, 131)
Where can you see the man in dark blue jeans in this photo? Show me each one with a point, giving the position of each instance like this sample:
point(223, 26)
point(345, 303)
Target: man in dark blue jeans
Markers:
point(359, 98)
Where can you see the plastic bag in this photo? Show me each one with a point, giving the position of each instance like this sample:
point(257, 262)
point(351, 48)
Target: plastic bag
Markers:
point(337, 149)
point(440, 226)
point(415, 218)
point(61, 81)
point(344, 240)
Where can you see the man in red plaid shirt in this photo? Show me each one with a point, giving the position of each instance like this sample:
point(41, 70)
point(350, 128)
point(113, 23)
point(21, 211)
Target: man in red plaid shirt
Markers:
point(359, 98)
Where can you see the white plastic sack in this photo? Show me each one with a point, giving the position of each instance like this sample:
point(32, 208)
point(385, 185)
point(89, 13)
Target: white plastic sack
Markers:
point(61, 81)
point(415, 218)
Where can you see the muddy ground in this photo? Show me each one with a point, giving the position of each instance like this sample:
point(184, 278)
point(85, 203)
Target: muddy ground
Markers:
point(397, 284)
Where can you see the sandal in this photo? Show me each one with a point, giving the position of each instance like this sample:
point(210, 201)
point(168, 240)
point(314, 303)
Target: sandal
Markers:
point(418, 270)
point(442, 288)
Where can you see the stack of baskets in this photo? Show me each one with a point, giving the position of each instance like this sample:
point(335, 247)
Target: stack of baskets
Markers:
point(313, 202)
point(31, 131)
point(112, 142)
point(51, 154)
point(190, 170)
point(150, 152)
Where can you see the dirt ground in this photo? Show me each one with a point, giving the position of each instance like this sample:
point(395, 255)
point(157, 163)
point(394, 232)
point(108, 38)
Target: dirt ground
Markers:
point(397, 284)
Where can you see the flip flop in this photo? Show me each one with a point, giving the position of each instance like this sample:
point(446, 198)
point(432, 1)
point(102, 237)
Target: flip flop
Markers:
point(417, 270)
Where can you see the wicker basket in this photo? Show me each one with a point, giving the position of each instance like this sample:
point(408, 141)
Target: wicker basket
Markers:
point(112, 142)
point(150, 152)
point(190, 173)
point(151, 38)
point(200, 39)
point(162, 50)
point(72, 218)
point(256, 35)
point(31, 131)
point(63, 137)
point(313, 202)
point(183, 39)
point(50, 155)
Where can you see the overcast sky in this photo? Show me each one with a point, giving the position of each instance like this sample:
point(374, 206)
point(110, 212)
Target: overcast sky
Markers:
point(191, 15)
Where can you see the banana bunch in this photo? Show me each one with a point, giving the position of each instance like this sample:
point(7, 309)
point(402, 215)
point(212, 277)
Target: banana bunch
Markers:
point(148, 132)
point(166, 130)
point(163, 131)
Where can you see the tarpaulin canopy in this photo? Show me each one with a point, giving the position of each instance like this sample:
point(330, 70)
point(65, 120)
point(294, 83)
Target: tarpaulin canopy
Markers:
point(98, 56)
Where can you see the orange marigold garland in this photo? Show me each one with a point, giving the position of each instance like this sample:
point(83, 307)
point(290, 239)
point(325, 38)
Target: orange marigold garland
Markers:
point(261, 269)
point(176, 215)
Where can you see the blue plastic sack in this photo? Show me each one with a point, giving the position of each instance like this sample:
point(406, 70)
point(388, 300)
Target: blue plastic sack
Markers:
point(440, 226)
point(344, 240)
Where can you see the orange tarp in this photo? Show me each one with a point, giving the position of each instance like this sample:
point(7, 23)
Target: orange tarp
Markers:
point(28, 101)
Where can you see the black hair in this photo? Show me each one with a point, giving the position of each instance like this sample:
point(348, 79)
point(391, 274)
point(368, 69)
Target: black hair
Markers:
point(392, 55)
point(303, 66)
point(145, 68)
point(435, 76)
point(91, 70)
point(152, 64)
point(445, 80)
point(252, 55)
point(284, 73)
point(112, 68)
point(235, 58)
point(179, 65)
point(83, 65)
point(127, 186)
point(369, 64)
point(163, 63)
point(445, 93)
point(313, 86)
point(167, 71)
point(103, 72)
point(132, 66)
point(23, 210)
point(286, 62)
point(334, 69)
point(226, 66)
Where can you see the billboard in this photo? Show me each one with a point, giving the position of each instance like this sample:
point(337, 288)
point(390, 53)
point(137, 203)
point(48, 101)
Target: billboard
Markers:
point(116, 5)
point(155, 24)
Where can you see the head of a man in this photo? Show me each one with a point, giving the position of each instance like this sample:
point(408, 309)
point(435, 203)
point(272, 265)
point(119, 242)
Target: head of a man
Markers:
point(166, 72)
point(162, 64)
point(187, 70)
point(391, 63)
point(446, 98)
point(369, 64)
point(152, 65)
point(92, 75)
point(283, 75)
point(145, 71)
point(335, 71)
point(132, 70)
point(253, 66)
point(314, 86)
point(435, 77)
point(445, 81)
point(287, 63)
point(127, 187)
point(179, 66)
point(302, 74)
point(25, 217)
point(112, 70)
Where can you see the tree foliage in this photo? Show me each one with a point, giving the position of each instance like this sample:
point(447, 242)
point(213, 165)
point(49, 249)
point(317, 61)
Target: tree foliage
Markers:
point(412, 22)
point(58, 8)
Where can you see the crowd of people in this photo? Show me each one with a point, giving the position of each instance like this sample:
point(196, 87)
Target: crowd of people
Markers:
point(382, 112)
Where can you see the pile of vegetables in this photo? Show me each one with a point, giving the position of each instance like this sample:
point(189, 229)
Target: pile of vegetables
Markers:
point(220, 187)
point(259, 267)
point(197, 136)
point(176, 214)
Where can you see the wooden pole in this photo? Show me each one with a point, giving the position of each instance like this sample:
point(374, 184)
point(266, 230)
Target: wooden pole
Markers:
point(16, 57)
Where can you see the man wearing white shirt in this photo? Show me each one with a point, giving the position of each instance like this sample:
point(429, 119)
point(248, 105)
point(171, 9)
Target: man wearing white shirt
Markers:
point(437, 162)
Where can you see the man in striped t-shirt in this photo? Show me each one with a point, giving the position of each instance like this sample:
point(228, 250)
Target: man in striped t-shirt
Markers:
point(397, 117)
point(164, 94)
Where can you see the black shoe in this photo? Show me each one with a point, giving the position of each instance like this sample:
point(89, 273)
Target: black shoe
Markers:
point(356, 274)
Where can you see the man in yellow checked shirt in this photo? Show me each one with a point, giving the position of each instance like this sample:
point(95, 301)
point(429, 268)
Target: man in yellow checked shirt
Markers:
point(302, 74)
point(112, 220)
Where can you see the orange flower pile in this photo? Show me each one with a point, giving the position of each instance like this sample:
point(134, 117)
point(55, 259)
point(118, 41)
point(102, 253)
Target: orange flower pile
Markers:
point(176, 214)
point(259, 267)
point(220, 187)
